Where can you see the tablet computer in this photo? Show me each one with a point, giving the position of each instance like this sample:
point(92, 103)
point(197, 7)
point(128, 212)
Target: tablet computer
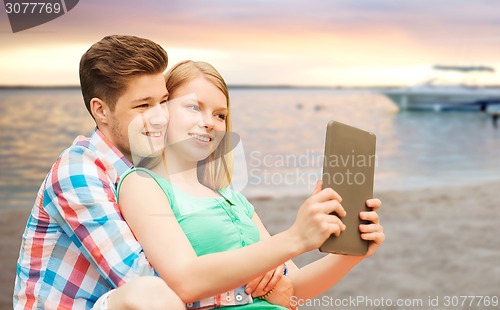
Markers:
point(348, 168)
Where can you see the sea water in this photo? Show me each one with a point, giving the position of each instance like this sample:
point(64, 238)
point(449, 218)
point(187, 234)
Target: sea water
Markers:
point(282, 137)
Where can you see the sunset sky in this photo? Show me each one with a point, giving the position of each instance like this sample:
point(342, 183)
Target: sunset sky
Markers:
point(293, 42)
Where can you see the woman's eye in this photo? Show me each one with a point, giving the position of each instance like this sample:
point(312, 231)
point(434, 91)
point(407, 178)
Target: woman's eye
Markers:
point(221, 116)
point(145, 105)
point(193, 107)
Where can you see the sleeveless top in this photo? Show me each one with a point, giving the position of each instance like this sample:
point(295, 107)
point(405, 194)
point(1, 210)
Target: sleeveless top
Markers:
point(212, 224)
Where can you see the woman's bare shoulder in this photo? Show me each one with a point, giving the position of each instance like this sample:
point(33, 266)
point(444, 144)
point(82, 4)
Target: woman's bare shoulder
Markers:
point(139, 183)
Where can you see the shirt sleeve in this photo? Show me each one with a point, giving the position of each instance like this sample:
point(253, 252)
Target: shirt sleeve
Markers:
point(81, 198)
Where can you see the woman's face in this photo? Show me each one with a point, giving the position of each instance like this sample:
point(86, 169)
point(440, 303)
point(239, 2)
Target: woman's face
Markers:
point(198, 111)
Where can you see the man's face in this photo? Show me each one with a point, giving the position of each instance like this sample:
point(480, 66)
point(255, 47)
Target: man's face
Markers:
point(138, 124)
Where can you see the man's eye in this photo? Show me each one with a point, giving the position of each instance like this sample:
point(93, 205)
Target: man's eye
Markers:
point(145, 105)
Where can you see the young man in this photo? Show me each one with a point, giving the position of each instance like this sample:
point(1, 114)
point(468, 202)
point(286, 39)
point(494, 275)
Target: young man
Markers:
point(77, 251)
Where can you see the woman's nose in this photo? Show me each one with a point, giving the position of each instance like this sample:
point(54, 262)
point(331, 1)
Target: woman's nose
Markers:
point(207, 121)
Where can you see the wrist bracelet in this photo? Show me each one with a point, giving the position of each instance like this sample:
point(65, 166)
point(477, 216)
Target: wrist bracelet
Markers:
point(266, 294)
point(285, 272)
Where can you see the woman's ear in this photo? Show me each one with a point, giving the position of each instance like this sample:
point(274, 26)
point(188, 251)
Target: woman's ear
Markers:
point(100, 110)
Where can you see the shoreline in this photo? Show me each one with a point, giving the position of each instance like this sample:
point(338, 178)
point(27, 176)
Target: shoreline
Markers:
point(439, 242)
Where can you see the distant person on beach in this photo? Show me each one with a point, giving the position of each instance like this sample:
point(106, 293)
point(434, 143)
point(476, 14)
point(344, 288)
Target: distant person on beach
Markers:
point(203, 238)
point(494, 118)
point(76, 248)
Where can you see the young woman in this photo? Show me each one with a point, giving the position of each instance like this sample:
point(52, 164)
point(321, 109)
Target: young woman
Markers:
point(204, 239)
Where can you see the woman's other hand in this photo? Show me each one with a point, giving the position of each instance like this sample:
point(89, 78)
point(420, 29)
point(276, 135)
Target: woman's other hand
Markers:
point(263, 284)
point(373, 232)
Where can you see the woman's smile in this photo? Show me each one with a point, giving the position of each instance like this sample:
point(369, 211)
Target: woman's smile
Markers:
point(201, 137)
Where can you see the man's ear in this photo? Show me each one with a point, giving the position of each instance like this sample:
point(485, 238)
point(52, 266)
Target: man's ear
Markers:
point(100, 110)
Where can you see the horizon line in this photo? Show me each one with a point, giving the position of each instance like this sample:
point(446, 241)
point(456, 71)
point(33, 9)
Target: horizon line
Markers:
point(230, 86)
point(243, 86)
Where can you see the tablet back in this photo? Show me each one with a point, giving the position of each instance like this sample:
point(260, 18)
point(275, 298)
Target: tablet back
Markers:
point(348, 168)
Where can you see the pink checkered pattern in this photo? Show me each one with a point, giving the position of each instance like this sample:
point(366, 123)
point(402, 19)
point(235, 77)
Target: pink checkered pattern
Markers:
point(76, 245)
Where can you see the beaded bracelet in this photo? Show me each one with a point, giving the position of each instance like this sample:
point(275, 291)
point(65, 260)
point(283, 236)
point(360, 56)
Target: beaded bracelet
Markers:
point(266, 294)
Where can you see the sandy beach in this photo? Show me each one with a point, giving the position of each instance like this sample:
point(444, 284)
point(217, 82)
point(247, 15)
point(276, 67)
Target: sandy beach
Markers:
point(442, 243)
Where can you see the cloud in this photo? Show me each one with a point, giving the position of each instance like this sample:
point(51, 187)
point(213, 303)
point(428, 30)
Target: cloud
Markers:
point(306, 35)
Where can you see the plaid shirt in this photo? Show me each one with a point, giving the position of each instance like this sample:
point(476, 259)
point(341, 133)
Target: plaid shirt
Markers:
point(76, 245)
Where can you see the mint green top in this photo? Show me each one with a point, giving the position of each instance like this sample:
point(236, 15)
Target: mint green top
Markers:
point(213, 224)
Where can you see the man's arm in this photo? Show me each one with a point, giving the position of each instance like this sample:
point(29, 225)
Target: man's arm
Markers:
point(81, 197)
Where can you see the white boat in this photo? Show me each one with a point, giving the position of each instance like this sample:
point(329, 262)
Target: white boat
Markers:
point(438, 96)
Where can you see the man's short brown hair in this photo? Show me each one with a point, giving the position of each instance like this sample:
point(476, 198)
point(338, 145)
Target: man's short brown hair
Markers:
point(108, 65)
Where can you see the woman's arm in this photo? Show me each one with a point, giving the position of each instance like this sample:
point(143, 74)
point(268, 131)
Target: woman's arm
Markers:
point(317, 277)
point(147, 211)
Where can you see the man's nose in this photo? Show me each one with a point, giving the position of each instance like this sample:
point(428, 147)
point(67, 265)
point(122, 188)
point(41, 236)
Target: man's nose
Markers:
point(158, 115)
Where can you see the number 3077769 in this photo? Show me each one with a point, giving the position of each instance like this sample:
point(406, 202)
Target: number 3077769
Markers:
point(32, 8)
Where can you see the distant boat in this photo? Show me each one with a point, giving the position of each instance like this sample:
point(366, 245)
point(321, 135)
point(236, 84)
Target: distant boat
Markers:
point(434, 95)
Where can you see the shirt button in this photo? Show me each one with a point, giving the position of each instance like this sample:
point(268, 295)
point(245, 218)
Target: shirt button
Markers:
point(243, 243)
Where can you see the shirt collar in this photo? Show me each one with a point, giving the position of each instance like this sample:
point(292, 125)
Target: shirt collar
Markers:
point(107, 150)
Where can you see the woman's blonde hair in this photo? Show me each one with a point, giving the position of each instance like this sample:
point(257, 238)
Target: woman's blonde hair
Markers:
point(216, 170)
